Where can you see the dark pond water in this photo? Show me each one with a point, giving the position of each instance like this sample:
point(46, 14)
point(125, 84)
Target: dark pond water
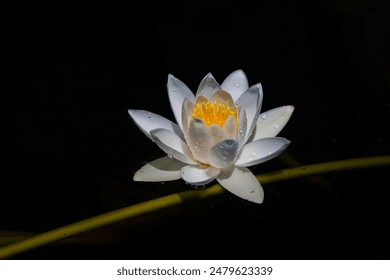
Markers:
point(71, 149)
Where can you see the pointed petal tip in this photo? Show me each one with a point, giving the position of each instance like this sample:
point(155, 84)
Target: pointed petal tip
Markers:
point(290, 108)
point(137, 177)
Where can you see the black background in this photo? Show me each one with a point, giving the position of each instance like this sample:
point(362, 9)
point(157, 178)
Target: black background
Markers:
point(70, 73)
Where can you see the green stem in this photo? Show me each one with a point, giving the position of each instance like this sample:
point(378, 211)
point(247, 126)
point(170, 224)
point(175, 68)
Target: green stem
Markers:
point(179, 198)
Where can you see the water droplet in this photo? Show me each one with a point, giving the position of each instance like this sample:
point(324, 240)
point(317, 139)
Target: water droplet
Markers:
point(264, 116)
point(174, 89)
point(141, 170)
point(277, 125)
point(250, 157)
point(150, 116)
point(196, 174)
point(237, 84)
point(196, 147)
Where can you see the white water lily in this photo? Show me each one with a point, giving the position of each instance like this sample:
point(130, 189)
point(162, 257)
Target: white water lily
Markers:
point(219, 134)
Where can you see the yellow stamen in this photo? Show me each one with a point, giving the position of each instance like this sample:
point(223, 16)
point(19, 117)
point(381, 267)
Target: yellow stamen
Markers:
point(213, 113)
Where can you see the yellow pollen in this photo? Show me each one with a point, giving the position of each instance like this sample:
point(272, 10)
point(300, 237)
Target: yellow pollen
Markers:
point(213, 113)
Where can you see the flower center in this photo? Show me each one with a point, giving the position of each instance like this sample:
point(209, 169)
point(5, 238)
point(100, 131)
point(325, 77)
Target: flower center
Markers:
point(213, 113)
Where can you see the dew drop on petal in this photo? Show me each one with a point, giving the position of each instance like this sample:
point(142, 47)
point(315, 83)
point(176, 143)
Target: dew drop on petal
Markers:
point(174, 89)
point(277, 125)
point(150, 116)
point(237, 84)
point(264, 116)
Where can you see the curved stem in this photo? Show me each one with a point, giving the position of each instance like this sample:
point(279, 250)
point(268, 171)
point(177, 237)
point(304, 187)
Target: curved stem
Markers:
point(179, 198)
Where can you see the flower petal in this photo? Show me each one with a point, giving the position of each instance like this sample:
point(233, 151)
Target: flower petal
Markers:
point(147, 121)
point(159, 170)
point(236, 84)
point(270, 123)
point(251, 100)
point(187, 109)
point(230, 126)
point(199, 175)
point(261, 150)
point(199, 140)
point(208, 86)
point(217, 133)
point(242, 126)
point(241, 182)
point(224, 153)
point(172, 145)
point(224, 97)
point(177, 92)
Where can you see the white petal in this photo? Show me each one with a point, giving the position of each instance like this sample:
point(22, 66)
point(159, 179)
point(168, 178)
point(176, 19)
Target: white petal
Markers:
point(172, 145)
point(236, 84)
point(147, 121)
point(223, 97)
point(251, 100)
point(242, 126)
point(159, 170)
point(187, 109)
point(224, 153)
point(230, 126)
point(208, 86)
point(199, 175)
point(199, 140)
point(270, 123)
point(217, 133)
point(177, 92)
point(241, 182)
point(261, 150)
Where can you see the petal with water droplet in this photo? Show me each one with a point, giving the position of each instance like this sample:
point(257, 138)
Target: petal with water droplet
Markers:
point(172, 145)
point(261, 150)
point(235, 84)
point(241, 182)
point(147, 121)
point(224, 153)
point(159, 170)
point(199, 175)
point(272, 122)
point(199, 140)
point(187, 109)
point(208, 86)
point(251, 101)
point(177, 92)
point(242, 126)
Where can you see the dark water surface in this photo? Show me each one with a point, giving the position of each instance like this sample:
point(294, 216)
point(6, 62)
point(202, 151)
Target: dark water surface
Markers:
point(71, 149)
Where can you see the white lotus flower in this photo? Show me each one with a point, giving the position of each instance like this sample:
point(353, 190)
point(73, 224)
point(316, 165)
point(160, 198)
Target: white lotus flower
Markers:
point(217, 136)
